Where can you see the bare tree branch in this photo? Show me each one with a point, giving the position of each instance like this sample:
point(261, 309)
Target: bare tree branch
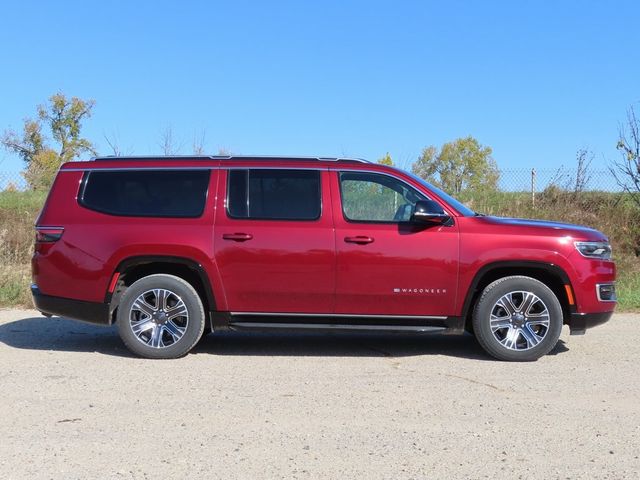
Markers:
point(168, 145)
point(113, 145)
point(198, 143)
point(584, 158)
point(626, 170)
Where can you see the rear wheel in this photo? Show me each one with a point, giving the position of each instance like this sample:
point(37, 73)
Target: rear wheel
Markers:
point(160, 316)
point(517, 319)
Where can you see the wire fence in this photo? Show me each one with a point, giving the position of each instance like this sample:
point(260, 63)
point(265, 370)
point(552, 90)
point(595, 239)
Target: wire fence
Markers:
point(12, 181)
point(538, 180)
point(511, 180)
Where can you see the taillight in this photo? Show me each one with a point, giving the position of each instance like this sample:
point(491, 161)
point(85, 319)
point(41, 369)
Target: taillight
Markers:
point(48, 234)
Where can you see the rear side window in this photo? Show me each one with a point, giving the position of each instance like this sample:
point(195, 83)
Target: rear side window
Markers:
point(274, 194)
point(146, 193)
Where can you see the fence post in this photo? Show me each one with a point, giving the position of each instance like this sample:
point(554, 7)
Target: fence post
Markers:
point(533, 187)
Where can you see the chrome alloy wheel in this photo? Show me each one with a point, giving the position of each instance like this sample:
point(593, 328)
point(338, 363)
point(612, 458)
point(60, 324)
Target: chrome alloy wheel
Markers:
point(158, 318)
point(519, 320)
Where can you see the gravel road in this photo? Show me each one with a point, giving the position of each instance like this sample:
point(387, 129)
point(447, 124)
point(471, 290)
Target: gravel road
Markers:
point(75, 404)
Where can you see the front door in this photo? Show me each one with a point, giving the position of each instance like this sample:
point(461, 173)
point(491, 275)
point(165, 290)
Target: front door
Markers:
point(274, 242)
point(385, 264)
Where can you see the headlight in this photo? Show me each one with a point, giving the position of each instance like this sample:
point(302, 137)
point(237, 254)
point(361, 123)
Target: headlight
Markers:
point(599, 250)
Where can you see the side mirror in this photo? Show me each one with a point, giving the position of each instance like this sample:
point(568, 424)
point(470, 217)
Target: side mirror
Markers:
point(428, 211)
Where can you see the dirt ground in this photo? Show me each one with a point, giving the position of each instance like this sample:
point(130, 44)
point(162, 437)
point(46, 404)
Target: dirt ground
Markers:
point(75, 404)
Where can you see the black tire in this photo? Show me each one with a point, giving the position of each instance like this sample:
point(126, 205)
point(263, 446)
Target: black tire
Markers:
point(519, 346)
point(175, 336)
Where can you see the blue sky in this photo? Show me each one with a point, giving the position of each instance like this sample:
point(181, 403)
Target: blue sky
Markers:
point(533, 80)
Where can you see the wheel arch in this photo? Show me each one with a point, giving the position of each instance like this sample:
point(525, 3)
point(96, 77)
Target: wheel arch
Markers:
point(139, 266)
point(550, 274)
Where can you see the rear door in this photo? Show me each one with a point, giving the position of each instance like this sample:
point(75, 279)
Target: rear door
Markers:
point(385, 264)
point(274, 241)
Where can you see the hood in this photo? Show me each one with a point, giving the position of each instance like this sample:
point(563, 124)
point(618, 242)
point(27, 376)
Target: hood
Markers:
point(557, 228)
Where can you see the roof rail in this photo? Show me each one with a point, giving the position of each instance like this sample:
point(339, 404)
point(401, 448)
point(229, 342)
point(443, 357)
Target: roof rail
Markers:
point(155, 157)
point(226, 157)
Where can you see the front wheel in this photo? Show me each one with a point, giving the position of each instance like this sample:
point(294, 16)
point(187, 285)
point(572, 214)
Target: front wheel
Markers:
point(517, 319)
point(160, 316)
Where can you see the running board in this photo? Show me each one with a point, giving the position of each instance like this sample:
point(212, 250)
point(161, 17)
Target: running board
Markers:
point(336, 315)
point(333, 326)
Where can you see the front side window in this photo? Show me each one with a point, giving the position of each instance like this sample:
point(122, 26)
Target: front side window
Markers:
point(146, 193)
point(274, 194)
point(372, 197)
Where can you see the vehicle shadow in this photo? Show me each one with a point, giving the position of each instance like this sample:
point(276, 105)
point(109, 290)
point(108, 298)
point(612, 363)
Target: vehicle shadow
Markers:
point(60, 334)
point(347, 345)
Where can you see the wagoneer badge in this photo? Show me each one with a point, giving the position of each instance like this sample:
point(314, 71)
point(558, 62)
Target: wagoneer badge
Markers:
point(423, 291)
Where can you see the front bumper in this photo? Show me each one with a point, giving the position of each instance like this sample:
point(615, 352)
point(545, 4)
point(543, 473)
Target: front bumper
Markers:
point(92, 312)
point(580, 322)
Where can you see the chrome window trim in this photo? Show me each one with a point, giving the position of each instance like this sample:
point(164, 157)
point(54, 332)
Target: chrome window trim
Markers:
point(259, 167)
point(364, 170)
point(79, 197)
point(250, 219)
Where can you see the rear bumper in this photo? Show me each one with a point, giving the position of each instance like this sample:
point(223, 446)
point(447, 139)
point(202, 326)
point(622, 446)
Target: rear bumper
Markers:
point(92, 312)
point(580, 322)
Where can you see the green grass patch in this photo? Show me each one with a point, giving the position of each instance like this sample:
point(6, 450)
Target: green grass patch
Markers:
point(628, 290)
point(14, 286)
point(27, 201)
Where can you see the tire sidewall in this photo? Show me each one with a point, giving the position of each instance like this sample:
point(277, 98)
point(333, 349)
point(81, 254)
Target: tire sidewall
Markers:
point(482, 313)
point(189, 296)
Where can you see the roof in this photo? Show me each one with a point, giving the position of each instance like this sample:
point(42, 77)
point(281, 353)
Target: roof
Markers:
point(227, 157)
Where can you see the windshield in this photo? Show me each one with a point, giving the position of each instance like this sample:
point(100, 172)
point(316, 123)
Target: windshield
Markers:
point(464, 210)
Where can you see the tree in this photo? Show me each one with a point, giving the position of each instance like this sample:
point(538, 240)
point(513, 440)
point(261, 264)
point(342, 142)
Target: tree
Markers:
point(426, 166)
point(584, 158)
point(386, 160)
point(463, 164)
point(63, 118)
point(198, 143)
point(115, 144)
point(168, 144)
point(626, 170)
point(224, 152)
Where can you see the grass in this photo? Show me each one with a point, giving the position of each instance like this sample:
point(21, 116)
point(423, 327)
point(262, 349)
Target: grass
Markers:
point(28, 202)
point(612, 213)
point(629, 293)
point(14, 286)
point(628, 283)
point(18, 211)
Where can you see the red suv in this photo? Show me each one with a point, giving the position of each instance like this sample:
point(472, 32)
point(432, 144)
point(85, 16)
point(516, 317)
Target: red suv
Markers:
point(172, 247)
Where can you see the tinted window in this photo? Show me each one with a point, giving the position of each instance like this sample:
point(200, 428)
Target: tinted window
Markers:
point(274, 194)
point(370, 197)
point(147, 193)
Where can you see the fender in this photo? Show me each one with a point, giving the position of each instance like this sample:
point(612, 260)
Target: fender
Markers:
point(514, 264)
point(196, 267)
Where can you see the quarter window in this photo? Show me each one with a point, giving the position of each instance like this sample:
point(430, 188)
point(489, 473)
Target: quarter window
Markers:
point(274, 194)
point(146, 193)
point(371, 197)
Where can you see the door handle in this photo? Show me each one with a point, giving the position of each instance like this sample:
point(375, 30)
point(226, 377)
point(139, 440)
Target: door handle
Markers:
point(237, 237)
point(360, 240)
